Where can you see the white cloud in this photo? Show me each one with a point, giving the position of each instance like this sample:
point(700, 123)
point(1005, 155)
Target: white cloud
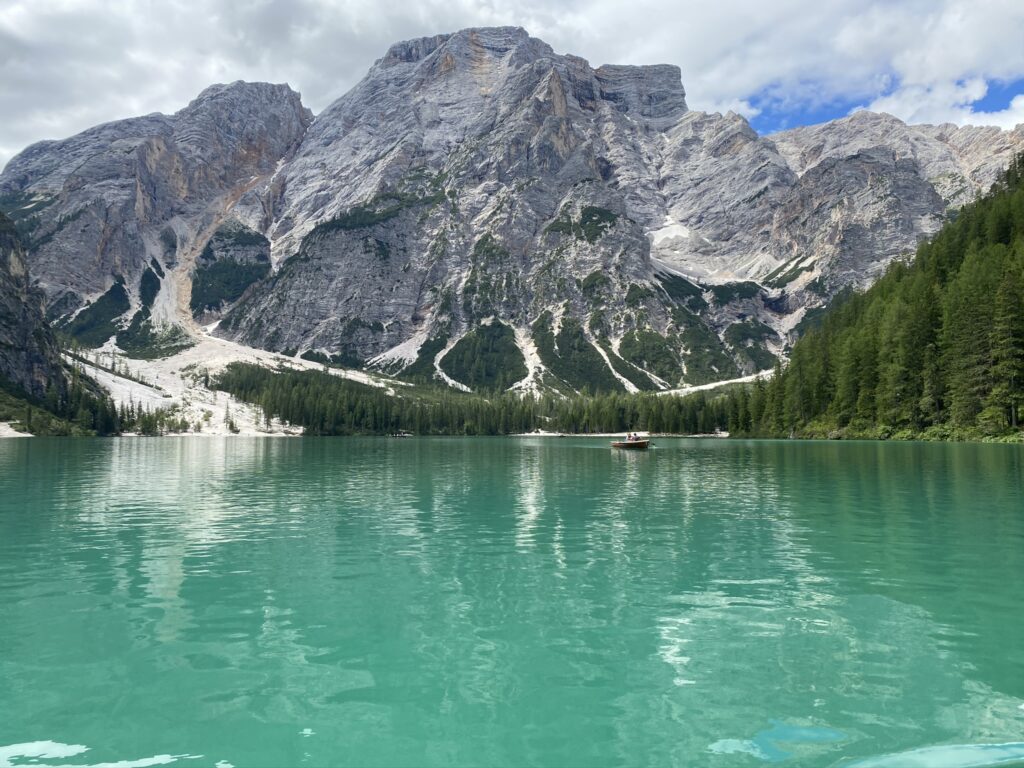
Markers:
point(68, 64)
point(948, 103)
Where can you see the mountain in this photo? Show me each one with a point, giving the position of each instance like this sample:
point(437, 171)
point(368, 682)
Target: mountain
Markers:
point(934, 349)
point(29, 356)
point(485, 211)
point(122, 211)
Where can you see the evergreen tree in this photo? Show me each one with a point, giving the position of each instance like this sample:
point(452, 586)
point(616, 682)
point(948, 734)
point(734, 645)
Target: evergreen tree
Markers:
point(1007, 352)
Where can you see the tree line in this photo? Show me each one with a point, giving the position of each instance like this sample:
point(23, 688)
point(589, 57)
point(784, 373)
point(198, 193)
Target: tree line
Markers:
point(325, 404)
point(76, 405)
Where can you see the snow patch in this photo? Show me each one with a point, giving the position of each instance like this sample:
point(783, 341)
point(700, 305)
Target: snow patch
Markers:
point(716, 384)
point(669, 234)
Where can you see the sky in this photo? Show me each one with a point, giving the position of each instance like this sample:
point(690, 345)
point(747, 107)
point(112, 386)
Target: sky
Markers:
point(66, 65)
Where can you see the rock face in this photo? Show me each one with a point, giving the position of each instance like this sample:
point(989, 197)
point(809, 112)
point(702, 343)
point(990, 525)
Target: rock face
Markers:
point(29, 357)
point(623, 240)
point(106, 203)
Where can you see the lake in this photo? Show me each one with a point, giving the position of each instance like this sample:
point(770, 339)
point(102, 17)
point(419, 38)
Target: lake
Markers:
point(510, 601)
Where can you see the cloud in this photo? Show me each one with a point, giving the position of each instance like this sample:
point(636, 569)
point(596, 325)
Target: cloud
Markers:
point(948, 103)
point(68, 64)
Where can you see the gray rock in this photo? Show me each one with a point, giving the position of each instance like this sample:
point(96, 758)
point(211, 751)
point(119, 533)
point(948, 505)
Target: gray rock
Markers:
point(480, 175)
point(122, 194)
point(508, 135)
point(29, 356)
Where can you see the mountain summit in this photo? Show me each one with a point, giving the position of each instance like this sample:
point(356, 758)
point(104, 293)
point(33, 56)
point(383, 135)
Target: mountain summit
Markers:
point(479, 205)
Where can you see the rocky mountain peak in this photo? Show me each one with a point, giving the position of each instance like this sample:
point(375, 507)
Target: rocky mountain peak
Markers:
point(249, 125)
point(479, 189)
point(241, 92)
point(145, 189)
point(654, 92)
point(469, 44)
point(411, 51)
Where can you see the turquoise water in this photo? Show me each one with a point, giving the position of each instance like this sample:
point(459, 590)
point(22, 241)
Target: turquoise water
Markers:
point(260, 602)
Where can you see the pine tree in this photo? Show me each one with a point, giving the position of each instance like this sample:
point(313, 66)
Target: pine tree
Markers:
point(1007, 352)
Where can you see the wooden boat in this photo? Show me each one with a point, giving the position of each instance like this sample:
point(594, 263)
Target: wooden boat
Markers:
point(631, 445)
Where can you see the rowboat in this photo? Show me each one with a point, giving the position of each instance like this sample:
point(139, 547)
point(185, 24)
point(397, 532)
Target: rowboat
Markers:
point(631, 445)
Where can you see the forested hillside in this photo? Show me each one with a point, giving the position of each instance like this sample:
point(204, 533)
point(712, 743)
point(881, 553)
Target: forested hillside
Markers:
point(329, 405)
point(934, 349)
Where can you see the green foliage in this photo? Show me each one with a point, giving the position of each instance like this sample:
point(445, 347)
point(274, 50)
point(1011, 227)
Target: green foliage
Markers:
point(24, 211)
point(683, 291)
point(563, 224)
point(78, 408)
point(490, 278)
point(653, 352)
point(705, 355)
point(331, 361)
point(747, 340)
point(328, 405)
point(221, 275)
point(814, 317)
point(235, 235)
point(591, 226)
point(637, 294)
point(934, 349)
point(486, 358)
point(788, 272)
point(750, 329)
point(487, 251)
point(571, 357)
point(594, 222)
point(144, 341)
point(595, 284)
point(29, 417)
point(423, 368)
point(626, 370)
point(149, 287)
point(95, 324)
point(380, 209)
point(222, 282)
point(729, 292)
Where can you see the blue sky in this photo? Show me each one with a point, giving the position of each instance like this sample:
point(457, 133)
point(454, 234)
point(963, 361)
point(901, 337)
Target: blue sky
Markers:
point(772, 116)
point(999, 94)
point(66, 65)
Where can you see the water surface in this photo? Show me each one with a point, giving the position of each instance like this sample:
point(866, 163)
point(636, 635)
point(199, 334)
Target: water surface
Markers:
point(535, 601)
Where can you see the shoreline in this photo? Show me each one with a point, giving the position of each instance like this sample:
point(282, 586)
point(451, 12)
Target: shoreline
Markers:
point(6, 430)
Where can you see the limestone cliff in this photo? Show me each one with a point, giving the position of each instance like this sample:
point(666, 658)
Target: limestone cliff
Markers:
point(475, 178)
point(29, 357)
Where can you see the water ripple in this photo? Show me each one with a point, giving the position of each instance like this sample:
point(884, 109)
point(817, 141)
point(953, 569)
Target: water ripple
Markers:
point(443, 601)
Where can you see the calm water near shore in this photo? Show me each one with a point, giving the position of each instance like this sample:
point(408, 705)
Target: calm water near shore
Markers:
point(527, 601)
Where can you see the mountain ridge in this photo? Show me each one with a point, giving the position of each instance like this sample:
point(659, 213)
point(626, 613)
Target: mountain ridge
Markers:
point(480, 177)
